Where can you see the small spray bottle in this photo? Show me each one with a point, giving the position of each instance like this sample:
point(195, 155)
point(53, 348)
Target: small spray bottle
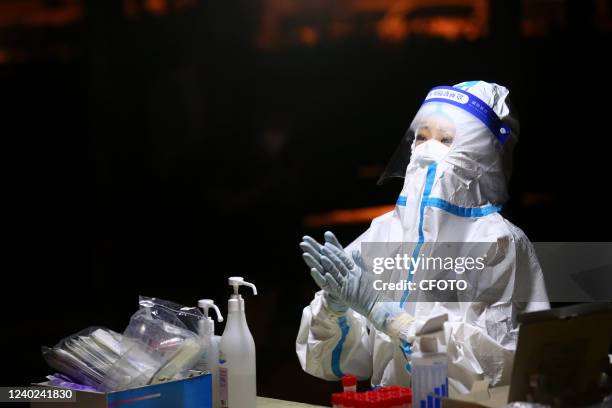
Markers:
point(210, 346)
point(237, 381)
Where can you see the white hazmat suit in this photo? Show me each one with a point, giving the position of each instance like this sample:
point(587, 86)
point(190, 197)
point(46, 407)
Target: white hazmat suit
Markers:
point(450, 194)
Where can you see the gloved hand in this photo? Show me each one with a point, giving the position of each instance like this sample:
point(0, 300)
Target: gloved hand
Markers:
point(312, 257)
point(348, 280)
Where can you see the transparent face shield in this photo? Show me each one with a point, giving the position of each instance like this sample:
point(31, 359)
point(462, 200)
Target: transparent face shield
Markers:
point(466, 128)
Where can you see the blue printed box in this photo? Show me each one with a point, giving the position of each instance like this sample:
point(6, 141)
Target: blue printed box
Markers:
point(192, 392)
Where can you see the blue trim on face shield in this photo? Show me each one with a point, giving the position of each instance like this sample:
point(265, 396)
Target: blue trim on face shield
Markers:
point(337, 352)
point(472, 104)
point(426, 201)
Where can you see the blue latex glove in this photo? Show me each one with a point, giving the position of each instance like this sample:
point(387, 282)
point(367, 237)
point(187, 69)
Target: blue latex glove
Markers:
point(348, 280)
point(312, 256)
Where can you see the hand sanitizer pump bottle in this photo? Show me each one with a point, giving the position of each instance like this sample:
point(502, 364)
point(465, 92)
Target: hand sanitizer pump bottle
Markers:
point(237, 386)
point(210, 346)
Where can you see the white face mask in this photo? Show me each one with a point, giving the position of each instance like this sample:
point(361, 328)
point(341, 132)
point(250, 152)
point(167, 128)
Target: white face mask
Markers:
point(428, 152)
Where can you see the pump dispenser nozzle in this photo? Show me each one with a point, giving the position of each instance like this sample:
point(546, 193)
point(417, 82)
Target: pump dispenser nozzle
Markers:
point(237, 281)
point(236, 302)
point(206, 304)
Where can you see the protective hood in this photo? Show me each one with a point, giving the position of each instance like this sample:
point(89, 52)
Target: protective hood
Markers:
point(473, 121)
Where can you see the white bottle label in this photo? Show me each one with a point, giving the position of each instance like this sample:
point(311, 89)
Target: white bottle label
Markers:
point(223, 387)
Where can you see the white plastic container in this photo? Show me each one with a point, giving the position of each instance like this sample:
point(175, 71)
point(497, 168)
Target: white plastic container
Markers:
point(210, 346)
point(237, 380)
point(430, 367)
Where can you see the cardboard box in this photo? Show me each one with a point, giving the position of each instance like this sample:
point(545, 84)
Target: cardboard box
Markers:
point(192, 392)
point(561, 354)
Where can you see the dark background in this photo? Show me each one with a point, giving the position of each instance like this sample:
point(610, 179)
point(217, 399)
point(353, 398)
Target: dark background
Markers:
point(159, 147)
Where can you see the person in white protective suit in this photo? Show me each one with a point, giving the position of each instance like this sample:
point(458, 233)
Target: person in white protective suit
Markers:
point(455, 160)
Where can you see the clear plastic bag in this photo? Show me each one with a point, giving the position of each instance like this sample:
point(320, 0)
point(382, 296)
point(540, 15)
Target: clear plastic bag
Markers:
point(86, 356)
point(170, 312)
point(159, 343)
point(156, 346)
